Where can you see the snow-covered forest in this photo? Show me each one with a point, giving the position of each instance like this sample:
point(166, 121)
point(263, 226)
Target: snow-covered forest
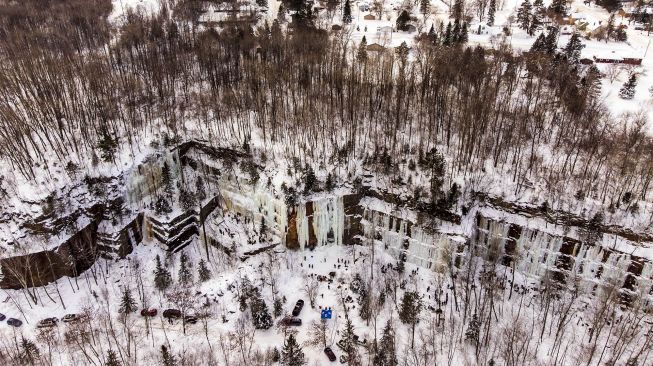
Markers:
point(203, 182)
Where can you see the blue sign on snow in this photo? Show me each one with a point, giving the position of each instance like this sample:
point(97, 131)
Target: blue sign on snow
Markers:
point(326, 313)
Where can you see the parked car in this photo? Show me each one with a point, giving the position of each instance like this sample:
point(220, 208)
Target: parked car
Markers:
point(330, 354)
point(47, 323)
point(2, 317)
point(148, 312)
point(190, 319)
point(14, 322)
point(291, 321)
point(72, 317)
point(298, 307)
point(172, 314)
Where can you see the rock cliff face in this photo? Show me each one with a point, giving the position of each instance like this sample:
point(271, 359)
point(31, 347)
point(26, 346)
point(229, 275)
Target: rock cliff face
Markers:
point(533, 245)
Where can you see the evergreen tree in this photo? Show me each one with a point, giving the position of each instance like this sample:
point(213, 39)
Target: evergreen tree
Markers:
point(361, 56)
point(185, 275)
point(29, 351)
point(424, 6)
point(492, 8)
point(463, 38)
point(346, 13)
point(309, 179)
point(386, 354)
point(446, 39)
point(127, 302)
point(166, 178)
point(186, 199)
point(278, 308)
point(628, 89)
point(162, 206)
point(203, 272)
point(538, 45)
point(573, 48)
point(162, 277)
point(524, 15)
point(112, 359)
point(411, 305)
point(108, 146)
point(473, 329)
point(559, 7)
point(402, 20)
point(167, 358)
point(292, 354)
point(455, 32)
point(259, 310)
point(551, 41)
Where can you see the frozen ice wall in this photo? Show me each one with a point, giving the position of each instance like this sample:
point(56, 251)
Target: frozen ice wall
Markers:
point(144, 180)
point(327, 221)
point(429, 249)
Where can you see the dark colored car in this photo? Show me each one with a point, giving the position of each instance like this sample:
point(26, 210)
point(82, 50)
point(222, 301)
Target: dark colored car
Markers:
point(330, 354)
point(14, 322)
point(190, 319)
point(148, 312)
point(172, 314)
point(2, 317)
point(291, 321)
point(72, 318)
point(47, 323)
point(298, 307)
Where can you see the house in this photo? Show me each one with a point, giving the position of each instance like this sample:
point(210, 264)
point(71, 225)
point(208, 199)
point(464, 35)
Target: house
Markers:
point(369, 17)
point(375, 47)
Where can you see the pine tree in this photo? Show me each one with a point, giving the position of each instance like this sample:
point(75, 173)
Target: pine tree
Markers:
point(112, 359)
point(424, 6)
point(411, 305)
point(559, 7)
point(162, 277)
point(203, 272)
point(29, 351)
point(346, 13)
point(402, 20)
point(162, 206)
point(463, 38)
point(551, 41)
point(455, 32)
point(108, 146)
point(538, 45)
point(259, 310)
point(278, 308)
point(167, 358)
point(524, 15)
point(185, 275)
point(473, 329)
point(361, 56)
point(309, 179)
point(386, 354)
point(292, 354)
point(573, 48)
point(348, 339)
point(127, 302)
point(447, 36)
point(166, 178)
point(628, 89)
point(492, 8)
